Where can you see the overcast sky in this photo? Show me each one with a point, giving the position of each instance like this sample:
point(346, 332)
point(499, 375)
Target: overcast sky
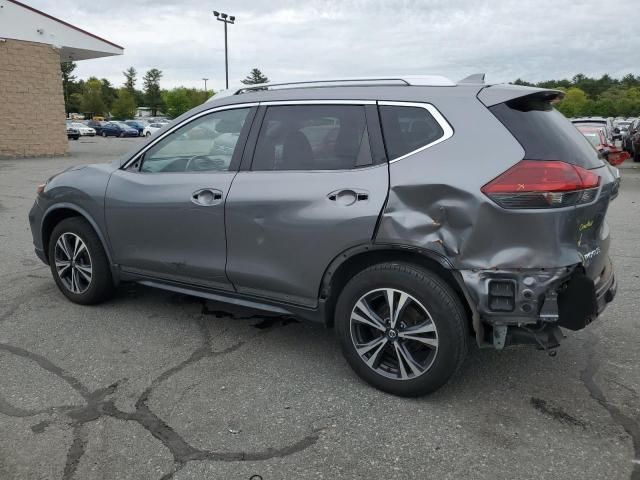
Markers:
point(531, 39)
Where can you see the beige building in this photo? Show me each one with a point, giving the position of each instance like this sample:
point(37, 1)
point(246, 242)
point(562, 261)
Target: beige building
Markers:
point(32, 46)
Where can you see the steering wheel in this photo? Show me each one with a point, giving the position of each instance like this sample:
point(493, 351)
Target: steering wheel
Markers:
point(200, 163)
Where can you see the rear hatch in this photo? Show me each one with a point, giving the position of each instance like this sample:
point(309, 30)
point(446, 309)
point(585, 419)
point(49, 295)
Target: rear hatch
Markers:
point(560, 171)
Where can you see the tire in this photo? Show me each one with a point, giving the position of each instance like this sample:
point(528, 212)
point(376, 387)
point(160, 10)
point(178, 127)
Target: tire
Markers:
point(121, 135)
point(148, 134)
point(104, 134)
point(445, 324)
point(636, 156)
point(91, 259)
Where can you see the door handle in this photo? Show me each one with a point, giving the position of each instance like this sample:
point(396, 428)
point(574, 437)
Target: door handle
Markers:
point(348, 196)
point(206, 197)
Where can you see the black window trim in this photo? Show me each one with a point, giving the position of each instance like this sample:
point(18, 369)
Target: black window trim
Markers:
point(247, 161)
point(447, 129)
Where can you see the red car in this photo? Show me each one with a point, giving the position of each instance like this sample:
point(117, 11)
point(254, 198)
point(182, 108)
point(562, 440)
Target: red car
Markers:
point(596, 135)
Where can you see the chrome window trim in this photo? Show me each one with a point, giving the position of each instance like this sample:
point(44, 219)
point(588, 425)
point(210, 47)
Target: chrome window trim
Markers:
point(435, 113)
point(183, 123)
point(318, 102)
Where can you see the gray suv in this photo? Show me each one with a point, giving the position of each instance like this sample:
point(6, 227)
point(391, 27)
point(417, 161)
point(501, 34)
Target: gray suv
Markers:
point(412, 214)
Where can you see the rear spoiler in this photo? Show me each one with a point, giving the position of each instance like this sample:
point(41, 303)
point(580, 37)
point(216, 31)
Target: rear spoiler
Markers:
point(495, 94)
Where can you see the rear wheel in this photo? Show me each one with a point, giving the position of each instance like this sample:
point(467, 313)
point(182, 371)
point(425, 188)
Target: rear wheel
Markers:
point(401, 328)
point(78, 262)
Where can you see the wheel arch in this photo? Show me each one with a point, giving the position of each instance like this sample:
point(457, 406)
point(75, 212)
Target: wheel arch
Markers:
point(56, 213)
point(356, 259)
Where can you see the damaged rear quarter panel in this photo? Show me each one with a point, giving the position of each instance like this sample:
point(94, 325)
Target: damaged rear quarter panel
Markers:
point(435, 201)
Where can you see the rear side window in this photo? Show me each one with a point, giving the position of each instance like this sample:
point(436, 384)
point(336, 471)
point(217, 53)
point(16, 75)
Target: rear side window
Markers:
point(544, 133)
point(312, 137)
point(407, 129)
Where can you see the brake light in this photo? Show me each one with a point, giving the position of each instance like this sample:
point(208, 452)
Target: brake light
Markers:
point(543, 184)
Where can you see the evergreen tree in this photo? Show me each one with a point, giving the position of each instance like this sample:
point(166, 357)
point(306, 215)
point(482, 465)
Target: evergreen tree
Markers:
point(67, 80)
point(255, 77)
point(152, 93)
point(130, 80)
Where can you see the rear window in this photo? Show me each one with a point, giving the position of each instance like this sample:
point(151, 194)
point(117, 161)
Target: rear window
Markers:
point(407, 129)
point(544, 133)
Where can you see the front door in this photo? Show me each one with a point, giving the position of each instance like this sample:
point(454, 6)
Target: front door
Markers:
point(165, 211)
point(312, 191)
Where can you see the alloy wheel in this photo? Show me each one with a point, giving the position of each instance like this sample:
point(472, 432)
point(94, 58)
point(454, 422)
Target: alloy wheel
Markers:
point(394, 334)
point(73, 263)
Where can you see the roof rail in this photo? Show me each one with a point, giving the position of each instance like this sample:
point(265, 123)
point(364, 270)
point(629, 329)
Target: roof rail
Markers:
point(406, 80)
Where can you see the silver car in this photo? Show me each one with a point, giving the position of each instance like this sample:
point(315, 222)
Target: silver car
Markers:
point(414, 215)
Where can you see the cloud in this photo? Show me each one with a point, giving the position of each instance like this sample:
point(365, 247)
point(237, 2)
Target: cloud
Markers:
point(533, 40)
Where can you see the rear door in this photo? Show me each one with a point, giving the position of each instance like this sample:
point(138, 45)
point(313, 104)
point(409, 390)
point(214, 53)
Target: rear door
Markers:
point(314, 182)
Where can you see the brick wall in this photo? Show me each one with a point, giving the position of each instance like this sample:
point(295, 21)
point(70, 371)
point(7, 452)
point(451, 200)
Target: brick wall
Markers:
point(32, 116)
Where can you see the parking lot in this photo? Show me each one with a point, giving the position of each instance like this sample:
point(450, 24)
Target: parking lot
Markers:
point(155, 385)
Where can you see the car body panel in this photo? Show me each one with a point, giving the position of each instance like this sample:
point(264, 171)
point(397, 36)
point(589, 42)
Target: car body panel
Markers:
point(156, 229)
point(283, 230)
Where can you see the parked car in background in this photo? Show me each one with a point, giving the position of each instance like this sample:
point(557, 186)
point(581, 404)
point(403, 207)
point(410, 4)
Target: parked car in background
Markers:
point(623, 128)
point(607, 123)
point(96, 125)
point(634, 140)
point(151, 128)
point(626, 137)
point(118, 129)
point(609, 151)
point(139, 125)
point(83, 129)
point(72, 133)
point(414, 215)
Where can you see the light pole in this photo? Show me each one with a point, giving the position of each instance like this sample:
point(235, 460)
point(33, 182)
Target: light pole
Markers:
point(223, 17)
point(205, 83)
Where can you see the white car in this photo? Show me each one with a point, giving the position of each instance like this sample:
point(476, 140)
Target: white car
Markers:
point(84, 130)
point(152, 128)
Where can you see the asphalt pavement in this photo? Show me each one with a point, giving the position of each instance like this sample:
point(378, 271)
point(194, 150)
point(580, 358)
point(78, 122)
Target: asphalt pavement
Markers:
point(154, 385)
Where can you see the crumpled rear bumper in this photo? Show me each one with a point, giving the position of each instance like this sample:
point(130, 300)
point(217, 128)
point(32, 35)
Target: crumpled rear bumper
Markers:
point(509, 300)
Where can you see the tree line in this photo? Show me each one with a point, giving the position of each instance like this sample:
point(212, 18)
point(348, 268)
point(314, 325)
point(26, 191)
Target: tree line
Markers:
point(98, 97)
point(604, 96)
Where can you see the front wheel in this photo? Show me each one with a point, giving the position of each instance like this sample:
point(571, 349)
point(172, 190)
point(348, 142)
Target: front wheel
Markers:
point(148, 134)
point(104, 134)
point(401, 328)
point(78, 262)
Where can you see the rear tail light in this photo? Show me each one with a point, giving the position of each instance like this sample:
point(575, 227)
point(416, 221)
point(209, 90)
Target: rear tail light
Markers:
point(543, 184)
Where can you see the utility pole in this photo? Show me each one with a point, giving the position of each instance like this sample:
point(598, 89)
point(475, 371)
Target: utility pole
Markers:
point(205, 83)
point(223, 17)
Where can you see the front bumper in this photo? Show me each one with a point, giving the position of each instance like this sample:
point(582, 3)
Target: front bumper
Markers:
point(35, 222)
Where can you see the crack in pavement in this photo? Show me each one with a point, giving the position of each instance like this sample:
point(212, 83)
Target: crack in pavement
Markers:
point(98, 405)
point(629, 424)
point(18, 301)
